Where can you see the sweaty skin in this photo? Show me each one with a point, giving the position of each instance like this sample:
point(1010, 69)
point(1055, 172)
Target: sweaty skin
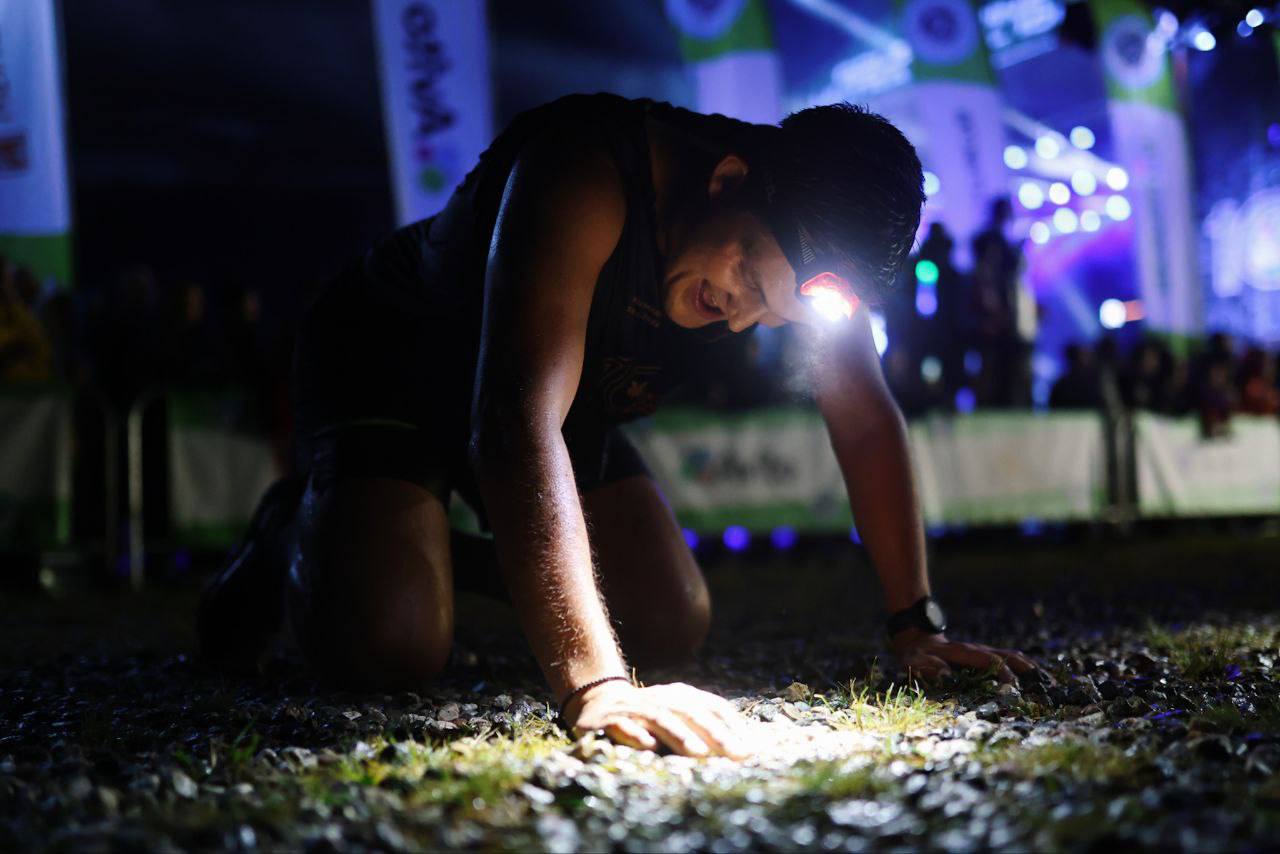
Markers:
point(561, 216)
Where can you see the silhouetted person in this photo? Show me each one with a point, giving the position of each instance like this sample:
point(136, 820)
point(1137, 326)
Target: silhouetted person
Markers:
point(1079, 387)
point(1258, 392)
point(1005, 379)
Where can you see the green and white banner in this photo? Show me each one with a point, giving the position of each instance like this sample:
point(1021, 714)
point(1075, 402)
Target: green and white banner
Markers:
point(216, 473)
point(35, 203)
point(776, 467)
point(729, 46)
point(437, 100)
point(35, 468)
point(1151, 144)
point(952, 113)
point(1182, 474)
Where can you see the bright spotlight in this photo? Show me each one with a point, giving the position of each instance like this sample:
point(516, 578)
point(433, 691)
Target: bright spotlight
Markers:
point(973, 361)
point(1083, 182)
point(931, 369)
point(1204, 40)
point(1039, 233)
point(1047, 147)
point(1117, 178)
point(1015, 156)
point(1111, 314)
point(1118, 208)
point(1243, 30)
point(1082, 137)
point(1030, 195)
point(1064, 219)
point(1166, 23)
point(1059, 194)
point(966, 400)
point(1090, 221)
point(690, 537)
point(1254, 18)
point(931, 184)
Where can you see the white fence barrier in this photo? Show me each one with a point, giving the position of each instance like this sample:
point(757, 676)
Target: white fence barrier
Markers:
point(776, 467)
point(1181, 474)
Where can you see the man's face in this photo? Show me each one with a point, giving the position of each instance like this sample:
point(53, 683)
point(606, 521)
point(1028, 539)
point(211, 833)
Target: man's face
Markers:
point(727, 266)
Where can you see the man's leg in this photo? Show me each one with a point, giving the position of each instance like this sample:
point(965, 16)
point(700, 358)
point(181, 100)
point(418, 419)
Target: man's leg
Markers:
point(370, 590)
point(651, 582)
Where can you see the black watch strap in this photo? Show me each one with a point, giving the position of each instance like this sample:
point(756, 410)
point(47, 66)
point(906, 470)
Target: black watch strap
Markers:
point(925, 614)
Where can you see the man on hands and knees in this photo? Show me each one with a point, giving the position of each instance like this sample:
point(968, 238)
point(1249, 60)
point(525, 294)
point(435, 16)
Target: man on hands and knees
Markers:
point(600, 249)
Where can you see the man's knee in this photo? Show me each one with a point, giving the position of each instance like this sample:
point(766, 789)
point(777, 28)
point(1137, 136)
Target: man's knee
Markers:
point(671, 631)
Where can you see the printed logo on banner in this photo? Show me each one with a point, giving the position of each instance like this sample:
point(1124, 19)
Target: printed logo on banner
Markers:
point(704, 19)
point(941, 32)
point(1128, 54)
point(701, 465)
point(439, 164)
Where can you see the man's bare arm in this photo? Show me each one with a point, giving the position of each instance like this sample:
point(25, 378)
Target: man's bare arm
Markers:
point(561, 216)
point(870, 441)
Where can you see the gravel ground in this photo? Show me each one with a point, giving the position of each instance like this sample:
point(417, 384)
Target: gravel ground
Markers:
point(1159, 727)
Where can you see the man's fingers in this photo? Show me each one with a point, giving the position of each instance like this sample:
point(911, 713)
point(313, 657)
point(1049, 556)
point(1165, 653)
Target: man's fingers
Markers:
point(630, 733)
point(714, 730)
point(926, 666)
point(1016, 660)
point(675, 733)
point(971, 656)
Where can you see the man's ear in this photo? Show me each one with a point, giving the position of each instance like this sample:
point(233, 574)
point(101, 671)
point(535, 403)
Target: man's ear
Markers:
point(728, 174)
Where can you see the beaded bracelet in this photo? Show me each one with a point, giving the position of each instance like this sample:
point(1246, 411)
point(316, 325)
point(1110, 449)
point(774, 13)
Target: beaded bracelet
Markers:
point(582, 689)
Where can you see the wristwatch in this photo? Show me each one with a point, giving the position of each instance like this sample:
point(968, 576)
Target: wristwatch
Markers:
point(925, 615)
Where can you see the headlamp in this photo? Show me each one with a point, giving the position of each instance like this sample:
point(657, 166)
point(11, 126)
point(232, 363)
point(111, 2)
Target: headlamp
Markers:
point(828, 293)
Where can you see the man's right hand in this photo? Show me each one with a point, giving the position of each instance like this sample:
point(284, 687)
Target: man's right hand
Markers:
point(688, 721)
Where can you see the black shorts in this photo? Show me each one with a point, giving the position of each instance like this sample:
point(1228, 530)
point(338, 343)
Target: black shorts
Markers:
point(382, 388)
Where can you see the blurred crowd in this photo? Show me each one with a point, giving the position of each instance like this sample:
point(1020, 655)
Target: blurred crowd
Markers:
point(135, 337)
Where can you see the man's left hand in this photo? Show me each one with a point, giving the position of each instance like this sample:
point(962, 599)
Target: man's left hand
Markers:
point(932, 656)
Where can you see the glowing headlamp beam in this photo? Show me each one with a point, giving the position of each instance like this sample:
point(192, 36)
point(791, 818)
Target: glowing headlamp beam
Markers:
point(830, 296)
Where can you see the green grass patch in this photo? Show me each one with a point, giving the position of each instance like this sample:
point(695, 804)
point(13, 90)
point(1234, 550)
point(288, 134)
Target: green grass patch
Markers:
point(1206, 651)
point(1072, 760)
point(896, 710)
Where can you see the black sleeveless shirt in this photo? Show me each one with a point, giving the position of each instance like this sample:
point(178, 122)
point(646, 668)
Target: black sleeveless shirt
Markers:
point(634, 353)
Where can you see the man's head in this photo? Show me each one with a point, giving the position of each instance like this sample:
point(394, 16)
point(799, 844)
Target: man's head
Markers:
point(835, 187)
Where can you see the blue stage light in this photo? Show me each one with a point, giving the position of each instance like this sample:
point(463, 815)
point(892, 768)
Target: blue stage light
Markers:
point(1039, 233)
point(930, 369)
point(854, 536)
point(1254, 18)
point(1059, 193)
point(784, 537)
point(1030, 195)
point(1117, 178)
point(1032, 527)
point(1048, 147)
point(1118, 208)
point(1082, 137)
point(691, 538)
point(1065, 220)
point(737, 538)
point(1090, 221)
point(1015, 156)
point(966, 400)
point(1204, 41)
point(1243, 30)
point(973, 361)
point(1084, 182)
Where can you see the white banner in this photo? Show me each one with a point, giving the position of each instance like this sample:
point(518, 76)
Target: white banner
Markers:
point(436, 96)
point(771, 468)
point(216, 477)
point(1003, 468)
point(34, 199)
point(1182, 474)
